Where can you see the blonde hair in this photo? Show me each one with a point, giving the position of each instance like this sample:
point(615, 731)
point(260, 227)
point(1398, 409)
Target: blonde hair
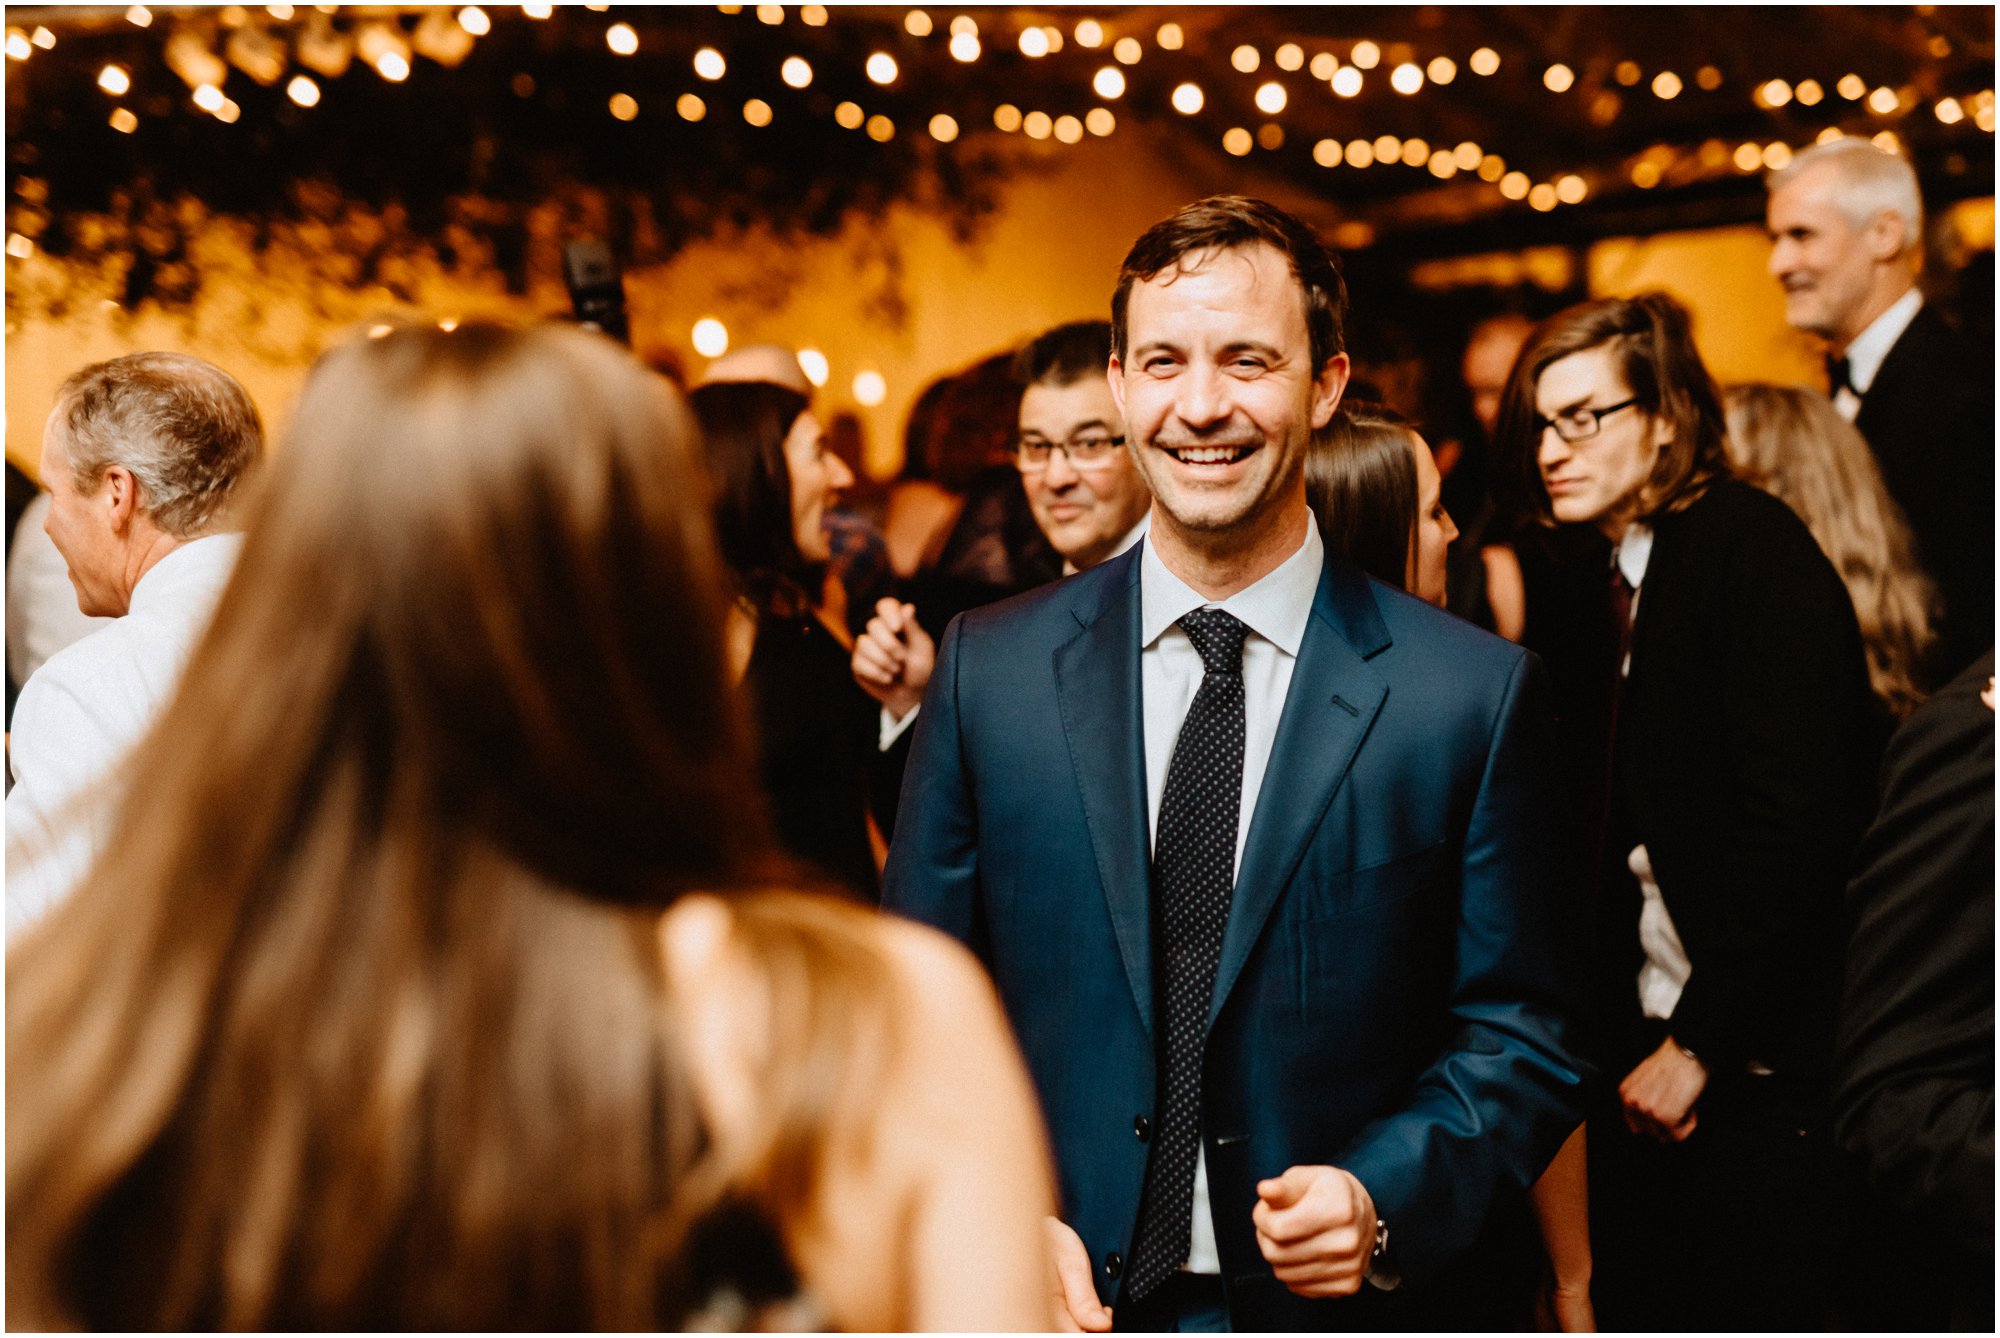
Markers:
point(364, 1025)
point(1792, 443)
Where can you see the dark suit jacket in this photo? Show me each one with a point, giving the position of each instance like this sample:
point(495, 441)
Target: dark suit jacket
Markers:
point(1928, 416)
point(1385, 1000)
point(1747, 740)
point(1914, 1094)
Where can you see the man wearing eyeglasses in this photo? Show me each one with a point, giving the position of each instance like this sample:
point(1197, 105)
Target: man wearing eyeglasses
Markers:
point(1087, 498)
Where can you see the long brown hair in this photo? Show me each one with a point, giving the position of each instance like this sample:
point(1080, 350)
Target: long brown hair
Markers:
point(1652, 340)
point(1793, 444)
point(362, 1026)
point(1361, 481)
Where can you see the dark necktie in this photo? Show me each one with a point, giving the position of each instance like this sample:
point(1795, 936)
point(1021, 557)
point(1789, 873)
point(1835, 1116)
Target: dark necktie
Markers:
point(1837, 379)
point(1194, 872)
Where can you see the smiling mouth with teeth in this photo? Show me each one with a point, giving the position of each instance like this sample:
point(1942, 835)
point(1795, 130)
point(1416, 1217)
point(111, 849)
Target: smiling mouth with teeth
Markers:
point(1208, 455)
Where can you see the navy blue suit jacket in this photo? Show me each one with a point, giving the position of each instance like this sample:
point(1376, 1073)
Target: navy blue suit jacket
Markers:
point(1386, 1000)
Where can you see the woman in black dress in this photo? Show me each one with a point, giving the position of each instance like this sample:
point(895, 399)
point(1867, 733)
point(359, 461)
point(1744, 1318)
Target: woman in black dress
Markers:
point(815, 729)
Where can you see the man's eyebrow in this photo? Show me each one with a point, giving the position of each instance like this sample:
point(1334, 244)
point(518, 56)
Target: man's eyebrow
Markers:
point(1075, 428)
point(1253, 346)
point(1573, 406)
point(1155, 346)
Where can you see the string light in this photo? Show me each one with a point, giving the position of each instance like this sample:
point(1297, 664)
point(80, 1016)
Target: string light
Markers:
point(1327, 153)
point(1777, 156)
point(1245, 59)
point(1270, 98)
point(1514, 185)
point(624, 107)
point(1646, 174)
point(1236, 141)
point(1007, 118)
point(1406, 79)
point(881, 129)
point(943, 129)
point(19, 247)
point(1109, 83)
point(1571, 189)
point(208, 97)
point(849, 115)
point(770, 15)
point(1830, 134)
point(1346, 81)
point(795, 72)
point(18, 46)
point(1982, 113)
point(813, 16)
point(881, 68)
point(814, 364)
point(44, 39)
point(709, 64)
point(1127, 51)
point(1666, 85)
point(917, 23)
point(1442, 70)
point(1749, 157)
point(1484, 61)
point(1367, 55)
point(538, 11)
point(1416, 152)
point(1388, 149)
point(692, 108)
point(1324, 64)
point(1468, 156)
point(757, 112)
point(1773, 93)
point(303, 91)
point(964, 23)
point(1542, 198)
point(1492, 167)
point(1069, 130)
point(1851, 87)
point(1055, 37)
point(123, 121)
point(1188, 99)
point(1290, 56)
point(1708, 78)
point(1883, 101)
point(1360, 153)
point(228, 113)
point(1099, 121)
point(113, 80)
point(1809, 93)
point(1090, 33)
point(1170, 37)
point(622, 39)
point(964, 48)
point(1271, 135)
point(711, 337)
point(1037, 125)
point(1949, 112)
point(870, 389)
point(473, 19)
point(1034, 43)
point(1628, 73)
point(1886, 141)
point(1558, 78)
point(1442, 167)
point(139, 16)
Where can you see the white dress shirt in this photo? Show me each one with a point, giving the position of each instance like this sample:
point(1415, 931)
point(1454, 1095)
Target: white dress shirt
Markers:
point(85, 709)
point(1870, 347)
point(1276, 610)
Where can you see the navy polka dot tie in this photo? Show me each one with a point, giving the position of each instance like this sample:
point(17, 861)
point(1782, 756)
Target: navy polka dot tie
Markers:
point(1194, 872)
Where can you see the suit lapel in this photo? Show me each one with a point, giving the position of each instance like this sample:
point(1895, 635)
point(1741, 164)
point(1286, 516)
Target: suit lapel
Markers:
point(1333, 699)
point(1098, 693)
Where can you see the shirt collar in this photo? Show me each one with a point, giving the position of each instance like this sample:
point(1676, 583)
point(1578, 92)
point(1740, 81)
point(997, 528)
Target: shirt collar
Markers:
point(198, 564)
point(1634, 552)
point(1276, 607)
point(1871, 346)
point(1132, 536)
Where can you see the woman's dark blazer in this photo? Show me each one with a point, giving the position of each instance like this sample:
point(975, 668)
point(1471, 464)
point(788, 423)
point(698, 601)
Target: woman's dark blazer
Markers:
point(1745, 751)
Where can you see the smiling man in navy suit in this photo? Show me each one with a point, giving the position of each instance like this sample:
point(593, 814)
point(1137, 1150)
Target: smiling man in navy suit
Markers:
point(1252, 845)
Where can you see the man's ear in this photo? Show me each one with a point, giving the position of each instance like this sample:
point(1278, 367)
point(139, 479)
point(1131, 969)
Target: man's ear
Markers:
point(118, 493)
point(1327, 388)
point(1886, 238)
point(1114, 376)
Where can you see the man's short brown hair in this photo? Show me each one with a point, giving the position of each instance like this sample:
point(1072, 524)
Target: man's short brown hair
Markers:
point(1225, 222)
point(186, 430)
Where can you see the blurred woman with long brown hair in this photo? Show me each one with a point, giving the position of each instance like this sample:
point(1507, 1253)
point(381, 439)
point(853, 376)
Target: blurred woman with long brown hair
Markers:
point(395, 1006)
point(1793, 444)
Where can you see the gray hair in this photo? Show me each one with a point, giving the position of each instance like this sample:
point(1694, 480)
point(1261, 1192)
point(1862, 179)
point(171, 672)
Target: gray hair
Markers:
point(1867, 181)
point(184, 428)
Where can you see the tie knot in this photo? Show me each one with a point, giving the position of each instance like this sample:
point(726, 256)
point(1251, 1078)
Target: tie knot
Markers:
point(1218, 636)
point(1837, 376)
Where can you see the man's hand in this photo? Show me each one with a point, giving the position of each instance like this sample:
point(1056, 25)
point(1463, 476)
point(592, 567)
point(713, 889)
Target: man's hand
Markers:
point(1659, 1095)
point(894, 657)
point(1316, 1228)
point(1077, 1308)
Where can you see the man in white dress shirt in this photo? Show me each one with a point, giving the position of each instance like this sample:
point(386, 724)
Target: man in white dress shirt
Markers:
point(1846, 223)
point(141, 456)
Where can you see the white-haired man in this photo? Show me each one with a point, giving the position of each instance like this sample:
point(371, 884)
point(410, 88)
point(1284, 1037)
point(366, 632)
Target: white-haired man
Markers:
point(141, 457)
point(1846, 223)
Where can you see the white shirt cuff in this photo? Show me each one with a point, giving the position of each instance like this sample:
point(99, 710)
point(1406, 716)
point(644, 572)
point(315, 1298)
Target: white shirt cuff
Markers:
point(892, 728)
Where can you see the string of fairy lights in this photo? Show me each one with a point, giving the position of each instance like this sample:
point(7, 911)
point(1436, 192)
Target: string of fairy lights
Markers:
point(302, 47)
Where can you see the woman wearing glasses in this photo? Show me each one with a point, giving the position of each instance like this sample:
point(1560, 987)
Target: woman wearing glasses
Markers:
point(1739, 778)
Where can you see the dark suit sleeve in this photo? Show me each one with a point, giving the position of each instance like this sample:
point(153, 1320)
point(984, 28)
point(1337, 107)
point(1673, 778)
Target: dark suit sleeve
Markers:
point(1793, 684)
point(1506, 1091)
point(933, 869)
point(1913, 1097)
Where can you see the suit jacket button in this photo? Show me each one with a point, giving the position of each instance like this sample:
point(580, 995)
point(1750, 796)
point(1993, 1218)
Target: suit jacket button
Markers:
point(1114, 1265)
point(1142, 1127)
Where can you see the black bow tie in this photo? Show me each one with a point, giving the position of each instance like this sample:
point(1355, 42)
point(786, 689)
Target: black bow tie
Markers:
point(1836, 377)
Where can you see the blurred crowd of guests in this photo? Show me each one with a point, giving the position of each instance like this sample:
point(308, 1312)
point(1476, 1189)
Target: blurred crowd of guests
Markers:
point(349, 792)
